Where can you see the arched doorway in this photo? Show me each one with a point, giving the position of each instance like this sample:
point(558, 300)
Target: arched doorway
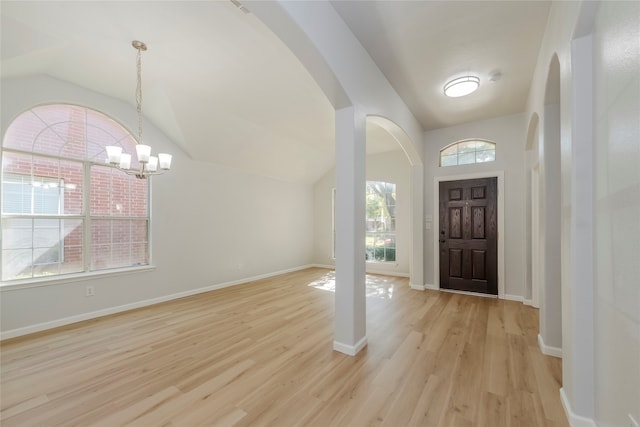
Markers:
point(416, 271)
point(550, 337)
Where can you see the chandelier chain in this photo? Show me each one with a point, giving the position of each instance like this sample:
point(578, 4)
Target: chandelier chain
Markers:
point(139, 93)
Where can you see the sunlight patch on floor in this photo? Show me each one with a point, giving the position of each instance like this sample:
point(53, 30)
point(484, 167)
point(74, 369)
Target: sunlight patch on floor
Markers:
point(376, 286)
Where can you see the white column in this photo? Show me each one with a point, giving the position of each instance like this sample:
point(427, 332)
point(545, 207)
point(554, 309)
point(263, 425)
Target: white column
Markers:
point(350, 304)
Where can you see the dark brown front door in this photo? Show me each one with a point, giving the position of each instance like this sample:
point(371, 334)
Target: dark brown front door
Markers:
point(469, 235)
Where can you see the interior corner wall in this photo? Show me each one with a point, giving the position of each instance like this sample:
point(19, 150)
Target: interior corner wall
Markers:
point(211, 225)
point(391, 166)
point(507, 133)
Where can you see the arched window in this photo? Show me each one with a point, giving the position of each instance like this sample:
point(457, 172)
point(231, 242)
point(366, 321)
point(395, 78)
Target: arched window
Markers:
point(468, 151)
point(64, 210)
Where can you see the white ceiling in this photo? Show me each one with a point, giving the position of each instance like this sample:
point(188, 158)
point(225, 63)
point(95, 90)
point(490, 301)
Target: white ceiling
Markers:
point(226, 90)
point(420, 45)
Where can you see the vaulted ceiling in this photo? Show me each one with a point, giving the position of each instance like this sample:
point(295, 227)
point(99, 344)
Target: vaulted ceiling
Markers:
point(225, 89)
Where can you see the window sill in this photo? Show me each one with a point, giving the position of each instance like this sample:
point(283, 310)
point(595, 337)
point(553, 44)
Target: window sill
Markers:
point(68, 278)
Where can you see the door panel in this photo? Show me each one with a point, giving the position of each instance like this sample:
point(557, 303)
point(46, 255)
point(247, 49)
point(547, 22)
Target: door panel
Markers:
point(469, 236)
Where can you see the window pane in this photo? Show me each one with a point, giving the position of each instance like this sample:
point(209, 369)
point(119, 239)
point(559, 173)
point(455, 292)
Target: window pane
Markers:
point(472, 151)
point(466, 158)
point(390, 241)
point(23, 131)
point(16, 195)
point(485, 156)
point(369, 246)
point(103, 131)
point(114, 193)
point(485, 145)
point(453, 150)
point(16, 264)
point(467, 147)
point(44, 256)
point(73, 242)
point(46, 233)
point(17, 233)
point(71, 186)
point(449, 160)
point(46, 196)
point(101, 190)
point(65, 131)
point(390, 254)
point(380, 221)
point(119, 243)
point(41, 186)
point(30, 244)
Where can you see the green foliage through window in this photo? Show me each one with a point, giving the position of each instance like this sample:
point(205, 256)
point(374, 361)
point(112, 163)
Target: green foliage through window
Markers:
point(381, 221)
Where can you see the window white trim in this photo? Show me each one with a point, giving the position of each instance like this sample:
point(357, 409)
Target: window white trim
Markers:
point(37, 282)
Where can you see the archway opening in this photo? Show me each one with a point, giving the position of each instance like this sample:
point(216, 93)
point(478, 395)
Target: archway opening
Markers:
point(385, 135)
point(551, 217)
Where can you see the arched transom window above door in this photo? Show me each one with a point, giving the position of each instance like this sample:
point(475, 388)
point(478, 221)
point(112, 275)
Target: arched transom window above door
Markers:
point(468, 151)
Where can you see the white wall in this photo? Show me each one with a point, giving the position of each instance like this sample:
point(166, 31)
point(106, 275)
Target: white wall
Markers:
point(617, 212)
point(507, 132)
point(600, 317)
point(391, 166)
point(211, 225)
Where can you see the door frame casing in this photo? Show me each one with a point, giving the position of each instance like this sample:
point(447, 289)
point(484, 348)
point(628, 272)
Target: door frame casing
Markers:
point(436, 223)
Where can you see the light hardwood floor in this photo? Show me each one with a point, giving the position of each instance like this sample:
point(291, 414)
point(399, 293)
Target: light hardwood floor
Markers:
point(261, 354)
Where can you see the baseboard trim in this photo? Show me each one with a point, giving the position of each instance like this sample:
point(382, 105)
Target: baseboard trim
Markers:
point(416, 287)
point(574, 419)
point(548, 350)
point(431, 287)
point(327, 266)
point(528, 302)
point(368, 271)
point(471, 294)
point(387, 273)
point(516, 298)
point(350, 350)
point(39, 327)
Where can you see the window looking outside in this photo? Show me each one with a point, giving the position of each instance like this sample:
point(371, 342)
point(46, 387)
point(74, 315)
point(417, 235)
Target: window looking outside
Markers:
point(63, 210)
point(381, 221)
point(468, 152)
point(380, 236)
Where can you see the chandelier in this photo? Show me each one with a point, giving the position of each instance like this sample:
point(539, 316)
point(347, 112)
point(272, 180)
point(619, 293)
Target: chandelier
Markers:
point(149, 165)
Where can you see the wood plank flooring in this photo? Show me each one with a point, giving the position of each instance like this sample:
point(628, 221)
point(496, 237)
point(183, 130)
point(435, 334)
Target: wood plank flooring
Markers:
point(261, 354)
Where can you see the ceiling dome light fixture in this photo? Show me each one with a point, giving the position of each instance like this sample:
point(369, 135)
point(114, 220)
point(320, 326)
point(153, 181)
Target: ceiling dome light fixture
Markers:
point(461, 86)
point(148, 163)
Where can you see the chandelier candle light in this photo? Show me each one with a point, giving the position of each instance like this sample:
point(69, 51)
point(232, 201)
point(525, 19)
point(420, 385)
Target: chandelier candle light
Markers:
point(148, 163)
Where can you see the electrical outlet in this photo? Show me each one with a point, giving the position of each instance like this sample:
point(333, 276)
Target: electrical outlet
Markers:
point(89, 291)
point(632, 421)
